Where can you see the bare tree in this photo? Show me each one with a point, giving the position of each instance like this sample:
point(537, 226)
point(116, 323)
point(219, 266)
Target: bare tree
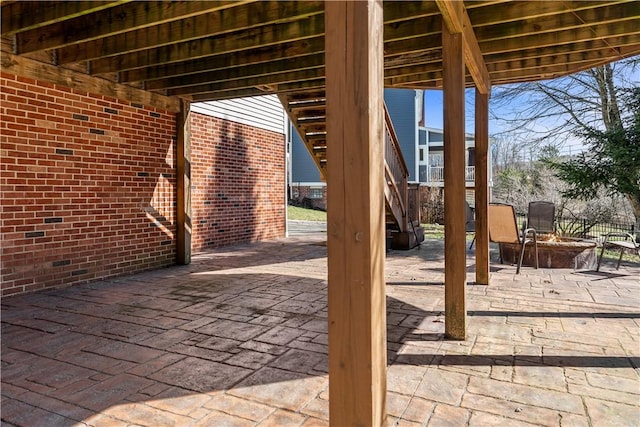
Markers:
point(506, 153)
point(553, 112)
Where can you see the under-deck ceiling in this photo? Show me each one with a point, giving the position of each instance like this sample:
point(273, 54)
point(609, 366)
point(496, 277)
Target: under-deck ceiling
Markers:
point(204, 50)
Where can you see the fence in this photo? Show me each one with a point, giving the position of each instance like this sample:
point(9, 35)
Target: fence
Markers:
point(580, 227)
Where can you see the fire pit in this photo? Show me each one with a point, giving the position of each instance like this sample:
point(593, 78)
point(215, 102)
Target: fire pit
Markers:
point(555, 252)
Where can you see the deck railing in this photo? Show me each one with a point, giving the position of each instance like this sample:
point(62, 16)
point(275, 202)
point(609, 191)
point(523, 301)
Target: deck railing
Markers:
point(396, 173)
point(436, 173)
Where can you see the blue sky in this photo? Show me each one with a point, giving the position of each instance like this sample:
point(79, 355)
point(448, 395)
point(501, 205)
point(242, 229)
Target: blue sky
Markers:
point(570, 144)
point(434, 118)
point(433, 110)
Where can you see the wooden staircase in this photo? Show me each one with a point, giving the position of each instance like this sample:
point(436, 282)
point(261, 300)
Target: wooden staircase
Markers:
point(306, 110)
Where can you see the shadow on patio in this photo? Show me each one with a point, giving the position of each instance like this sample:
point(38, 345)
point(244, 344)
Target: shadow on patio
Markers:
point(239, 337)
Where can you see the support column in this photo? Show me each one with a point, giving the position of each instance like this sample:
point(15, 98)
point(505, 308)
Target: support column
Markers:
point(356, 235)
point(183, 186)
point(454, 185)
point(482, 187)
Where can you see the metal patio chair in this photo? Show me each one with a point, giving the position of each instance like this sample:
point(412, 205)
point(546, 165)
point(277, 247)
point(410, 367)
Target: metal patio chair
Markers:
point(612, 240)
point(470, 224)
point(503, 228)
point(541, 216)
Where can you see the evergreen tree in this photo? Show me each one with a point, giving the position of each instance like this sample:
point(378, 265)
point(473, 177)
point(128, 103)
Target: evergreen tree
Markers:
point(612, 160)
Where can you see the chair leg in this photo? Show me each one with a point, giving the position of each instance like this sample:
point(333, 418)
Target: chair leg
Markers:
point(472, 242)
point(600, 259)
point(620, 259)
point(535, 246)
point(521, 257)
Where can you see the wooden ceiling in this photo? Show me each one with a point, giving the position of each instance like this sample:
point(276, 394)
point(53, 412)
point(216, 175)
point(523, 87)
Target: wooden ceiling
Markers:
point(205, 50)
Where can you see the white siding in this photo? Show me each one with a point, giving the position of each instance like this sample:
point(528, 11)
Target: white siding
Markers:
point(264, 112)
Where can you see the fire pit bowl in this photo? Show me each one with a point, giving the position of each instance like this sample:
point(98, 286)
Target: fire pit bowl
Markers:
point(555, 252)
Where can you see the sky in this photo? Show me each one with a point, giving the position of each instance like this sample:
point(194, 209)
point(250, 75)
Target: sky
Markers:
point(433, 111)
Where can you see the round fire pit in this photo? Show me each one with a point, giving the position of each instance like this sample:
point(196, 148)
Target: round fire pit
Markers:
point(561, 252)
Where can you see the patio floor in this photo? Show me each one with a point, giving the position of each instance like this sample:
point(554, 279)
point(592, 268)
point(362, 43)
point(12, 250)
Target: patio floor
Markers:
point(239, 338)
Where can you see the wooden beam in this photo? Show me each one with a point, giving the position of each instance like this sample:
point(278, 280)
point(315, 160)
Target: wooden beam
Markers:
point(25, 67)
point(457, 20)
point(296, 86)
point(473, 57)
point(27, 15)
point(183, 186)
point(241, 58)
point(400, 11)
point(454, 183)
point(614, 14)
point(564, 53)
point(356, 236)
point(272, 79)
point(422, 26)
point(276, 67)
point(514, 10)
point(114, 20)
point(221, 18)
point(268, 35)
point(561, 37)
point(416, 80)
point(452, 12)
point(548, 72)
point(482, 187)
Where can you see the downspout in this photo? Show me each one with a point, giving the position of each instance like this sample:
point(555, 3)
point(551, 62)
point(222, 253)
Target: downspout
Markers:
point(287, 169)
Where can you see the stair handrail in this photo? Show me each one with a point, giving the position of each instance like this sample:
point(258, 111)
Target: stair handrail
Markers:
point(396, 171)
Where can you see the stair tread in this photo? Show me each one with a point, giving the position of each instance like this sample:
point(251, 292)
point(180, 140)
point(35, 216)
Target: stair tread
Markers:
point(307, 111)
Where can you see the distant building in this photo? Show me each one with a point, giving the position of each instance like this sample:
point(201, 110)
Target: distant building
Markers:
point(422, 148)
point(431, 157)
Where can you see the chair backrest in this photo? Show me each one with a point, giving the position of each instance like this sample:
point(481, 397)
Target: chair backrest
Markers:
point(541, 217)
point(470, 224)
point(503, 227)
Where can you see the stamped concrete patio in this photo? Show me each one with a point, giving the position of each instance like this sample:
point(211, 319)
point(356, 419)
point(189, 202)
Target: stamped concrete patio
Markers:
point(239, 338)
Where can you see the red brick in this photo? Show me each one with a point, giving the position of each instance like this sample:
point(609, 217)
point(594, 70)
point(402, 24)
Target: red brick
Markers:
point(101, 198)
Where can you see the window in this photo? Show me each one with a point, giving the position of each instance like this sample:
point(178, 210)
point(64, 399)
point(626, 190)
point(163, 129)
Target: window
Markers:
point(423, 173)
point(316, 193)
point(422, 154)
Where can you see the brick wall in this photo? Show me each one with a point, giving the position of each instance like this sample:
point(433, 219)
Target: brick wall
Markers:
point(87, 186)
point(301, 195)
point(238, 182)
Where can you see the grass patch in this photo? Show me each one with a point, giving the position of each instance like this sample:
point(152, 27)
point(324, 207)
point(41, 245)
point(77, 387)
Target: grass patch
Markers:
point(302, 214)
point(613, 255)
point(433, 231)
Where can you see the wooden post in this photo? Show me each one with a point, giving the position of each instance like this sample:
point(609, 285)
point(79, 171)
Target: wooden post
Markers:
point(356, 235)
point(183, 186)
point(454, 185)
point(482, 187)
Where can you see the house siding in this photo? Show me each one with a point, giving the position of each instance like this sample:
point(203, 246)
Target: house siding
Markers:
point(303, 168)
point(263, 112)
point(401, 105)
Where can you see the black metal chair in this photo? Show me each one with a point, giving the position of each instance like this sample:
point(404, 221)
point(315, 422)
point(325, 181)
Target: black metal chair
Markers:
point(470, 224)
point(541, 216)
